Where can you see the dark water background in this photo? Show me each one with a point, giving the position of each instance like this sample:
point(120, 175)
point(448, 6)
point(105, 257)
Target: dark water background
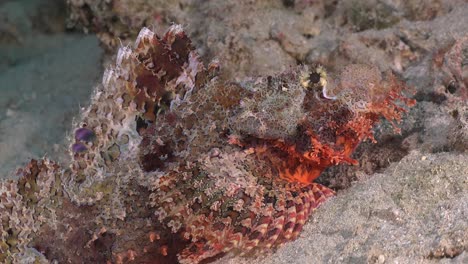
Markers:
point(46, 73)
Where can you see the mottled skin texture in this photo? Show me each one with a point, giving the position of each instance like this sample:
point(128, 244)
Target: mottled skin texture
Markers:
point(172, 164)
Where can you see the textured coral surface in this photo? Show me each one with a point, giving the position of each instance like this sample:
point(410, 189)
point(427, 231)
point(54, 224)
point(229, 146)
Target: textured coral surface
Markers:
point(171, 163)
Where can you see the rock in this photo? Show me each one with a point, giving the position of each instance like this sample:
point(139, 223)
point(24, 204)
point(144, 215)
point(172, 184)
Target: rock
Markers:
point(413, 212)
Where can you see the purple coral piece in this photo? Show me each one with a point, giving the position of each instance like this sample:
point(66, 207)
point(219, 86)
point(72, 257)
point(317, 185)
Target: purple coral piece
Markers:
point(84, 134)
point(79, 147)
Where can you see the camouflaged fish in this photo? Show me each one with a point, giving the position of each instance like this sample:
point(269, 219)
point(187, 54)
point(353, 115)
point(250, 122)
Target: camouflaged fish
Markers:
point(173, 164)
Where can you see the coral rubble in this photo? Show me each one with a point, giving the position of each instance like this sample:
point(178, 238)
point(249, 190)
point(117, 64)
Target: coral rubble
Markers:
point(172, 164)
